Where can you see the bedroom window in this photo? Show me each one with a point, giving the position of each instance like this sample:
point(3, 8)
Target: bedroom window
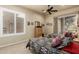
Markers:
point(8, 22)
point(67, 23)
point(19, 24)
point(12, 22)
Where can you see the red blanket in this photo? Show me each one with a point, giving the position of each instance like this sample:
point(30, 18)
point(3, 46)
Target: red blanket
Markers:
point(72, 48)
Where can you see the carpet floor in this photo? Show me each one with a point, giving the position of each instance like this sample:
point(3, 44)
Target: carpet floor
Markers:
point(15, 49)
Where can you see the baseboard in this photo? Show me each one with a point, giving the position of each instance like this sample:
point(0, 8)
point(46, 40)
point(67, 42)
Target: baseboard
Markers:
point(13, 43)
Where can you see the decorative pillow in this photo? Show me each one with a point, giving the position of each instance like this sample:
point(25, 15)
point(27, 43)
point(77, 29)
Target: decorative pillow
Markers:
point(68, 34)
point(65, 42)
point(56, 41)
point(52, 35)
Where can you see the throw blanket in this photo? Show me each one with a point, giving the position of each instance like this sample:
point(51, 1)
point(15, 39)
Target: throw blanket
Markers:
point(44, 45)
point(72, 48)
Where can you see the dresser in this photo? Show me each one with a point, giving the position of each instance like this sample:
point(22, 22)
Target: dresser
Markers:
point(38, 31)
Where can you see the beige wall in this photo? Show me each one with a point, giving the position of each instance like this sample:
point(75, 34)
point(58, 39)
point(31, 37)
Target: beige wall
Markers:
point(50, 18)
point(30, 16)
point(49, 29)
point(34, 16)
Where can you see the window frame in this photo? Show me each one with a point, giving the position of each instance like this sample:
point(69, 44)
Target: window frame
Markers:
point(15, 13)
point(68, 15)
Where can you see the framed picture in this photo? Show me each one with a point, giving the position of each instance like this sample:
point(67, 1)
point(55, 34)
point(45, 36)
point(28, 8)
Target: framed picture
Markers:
point(37, 23)
point(28, 23)
point(32, 23)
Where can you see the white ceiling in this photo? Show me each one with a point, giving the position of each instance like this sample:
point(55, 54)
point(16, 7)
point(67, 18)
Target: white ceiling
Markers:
point(39, 8)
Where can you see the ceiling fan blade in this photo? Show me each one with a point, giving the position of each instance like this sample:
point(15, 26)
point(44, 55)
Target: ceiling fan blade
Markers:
point(51, 8)
point(50, 13)
point(54, 10)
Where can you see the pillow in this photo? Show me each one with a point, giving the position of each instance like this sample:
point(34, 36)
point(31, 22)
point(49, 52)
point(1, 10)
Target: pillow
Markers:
point(75, 36)
point(68, 34)
point(65, 42)
point(56, 41)
point(51, 35)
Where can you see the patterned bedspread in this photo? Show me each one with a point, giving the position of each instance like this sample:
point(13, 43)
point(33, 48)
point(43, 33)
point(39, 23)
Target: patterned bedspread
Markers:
point(42, 45)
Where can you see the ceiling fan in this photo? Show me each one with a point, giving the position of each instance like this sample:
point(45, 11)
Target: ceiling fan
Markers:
point(50, 10)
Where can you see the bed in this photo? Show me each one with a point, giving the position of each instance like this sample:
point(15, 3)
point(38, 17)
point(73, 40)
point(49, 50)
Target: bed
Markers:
point(43, 45)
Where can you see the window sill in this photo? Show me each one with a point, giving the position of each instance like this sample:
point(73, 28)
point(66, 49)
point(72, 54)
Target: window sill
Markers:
point(16, 34)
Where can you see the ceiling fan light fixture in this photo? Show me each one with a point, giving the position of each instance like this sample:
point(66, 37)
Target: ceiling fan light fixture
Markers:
point(44, 11)
point(50, 10)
